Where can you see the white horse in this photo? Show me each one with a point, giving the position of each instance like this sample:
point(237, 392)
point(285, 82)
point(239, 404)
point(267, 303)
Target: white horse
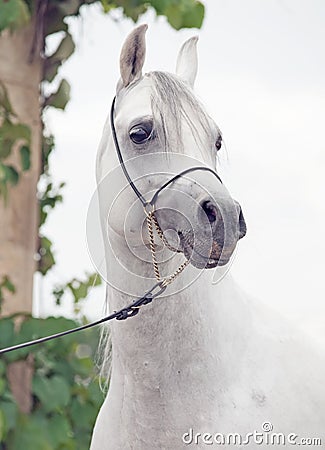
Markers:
point(203, 361)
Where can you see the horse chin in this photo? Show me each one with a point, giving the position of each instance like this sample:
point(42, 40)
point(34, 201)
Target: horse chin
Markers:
point(206, 263)
point(200, 261)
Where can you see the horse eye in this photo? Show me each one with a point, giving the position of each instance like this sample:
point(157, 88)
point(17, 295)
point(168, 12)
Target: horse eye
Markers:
point(218, 143)
point(139, 134)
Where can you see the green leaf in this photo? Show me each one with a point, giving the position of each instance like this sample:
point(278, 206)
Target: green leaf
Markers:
point(30, 329)
point(193, 16)
point(33, 328)
point(47, 147)
point(54, 392)
point(49, 196)
point(10, 412)
point(11, 175)
point(5, 146)
point(9, 134)
point(82, 439)
point(82, 413)
point(20, 131)
point(63, 52)
point(2, 173)
point(2, 386)
point(65, 48)
point(96, 395)
point(59, 431)
point(107, 6)
point(47, 260)
point(25, 157)
point(7, 138)
point(61, 97)
point(31, 433)
point(186, 14)
point(94, 280)
point(134, 11)
point(179, 13)
point(13, 14)
point(4, 99)
point(78, 288)
point(6, 283)
point(58, 293)
point(51, 68)
point(3, 427)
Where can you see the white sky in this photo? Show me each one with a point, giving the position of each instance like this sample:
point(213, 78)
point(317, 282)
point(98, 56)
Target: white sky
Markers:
point(262, 78)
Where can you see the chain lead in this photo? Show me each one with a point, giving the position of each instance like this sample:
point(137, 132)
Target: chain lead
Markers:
point(151, 219)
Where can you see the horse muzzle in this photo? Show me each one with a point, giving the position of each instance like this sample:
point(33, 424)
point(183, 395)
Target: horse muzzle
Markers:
point(207, 238)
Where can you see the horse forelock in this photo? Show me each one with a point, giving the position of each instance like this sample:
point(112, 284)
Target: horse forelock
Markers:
point(173, 102)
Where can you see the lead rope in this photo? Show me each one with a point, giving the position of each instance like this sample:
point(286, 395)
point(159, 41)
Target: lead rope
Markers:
point(133, 308)
point(152, 220)
point(156, 290)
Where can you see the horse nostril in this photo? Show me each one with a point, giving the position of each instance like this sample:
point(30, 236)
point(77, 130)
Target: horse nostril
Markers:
point(210, 210)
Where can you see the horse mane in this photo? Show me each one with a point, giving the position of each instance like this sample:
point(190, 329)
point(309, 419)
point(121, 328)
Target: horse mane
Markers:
point(173, 101)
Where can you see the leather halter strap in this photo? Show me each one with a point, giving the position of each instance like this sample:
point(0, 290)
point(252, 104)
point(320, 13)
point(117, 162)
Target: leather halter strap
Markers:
point(129, 179)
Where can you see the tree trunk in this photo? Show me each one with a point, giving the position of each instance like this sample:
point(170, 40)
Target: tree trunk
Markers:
point(19, 219)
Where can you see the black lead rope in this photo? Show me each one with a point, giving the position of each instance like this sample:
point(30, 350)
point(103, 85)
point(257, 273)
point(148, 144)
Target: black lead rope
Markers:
point(132, 309)
point(124, 313)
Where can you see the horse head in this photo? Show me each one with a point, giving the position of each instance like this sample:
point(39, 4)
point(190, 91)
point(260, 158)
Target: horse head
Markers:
point(161, 131)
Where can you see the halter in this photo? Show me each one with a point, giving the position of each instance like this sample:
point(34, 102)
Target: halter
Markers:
point(161, 285)
point(152, 202)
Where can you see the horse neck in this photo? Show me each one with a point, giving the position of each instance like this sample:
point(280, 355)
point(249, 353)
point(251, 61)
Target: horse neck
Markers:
point(195, 326)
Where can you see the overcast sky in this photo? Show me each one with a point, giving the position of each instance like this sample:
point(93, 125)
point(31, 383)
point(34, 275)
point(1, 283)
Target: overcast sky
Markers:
point(262, 78)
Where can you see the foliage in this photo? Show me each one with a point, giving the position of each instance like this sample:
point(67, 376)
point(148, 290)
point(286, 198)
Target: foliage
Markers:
point(13, 135)
point(48, 199)
point(49, 196)
point(45, 255)
point(62, 53)
point(78, 288)
point(60, 98)
point(65, 392)
point(13, 14)
point(5, 284)
point(179, 13)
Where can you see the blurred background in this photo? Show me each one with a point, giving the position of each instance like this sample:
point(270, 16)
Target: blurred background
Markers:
point(261, 77)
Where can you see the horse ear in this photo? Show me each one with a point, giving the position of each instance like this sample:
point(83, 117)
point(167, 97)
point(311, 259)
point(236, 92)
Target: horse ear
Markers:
point(132, 55)
point(186, 66)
